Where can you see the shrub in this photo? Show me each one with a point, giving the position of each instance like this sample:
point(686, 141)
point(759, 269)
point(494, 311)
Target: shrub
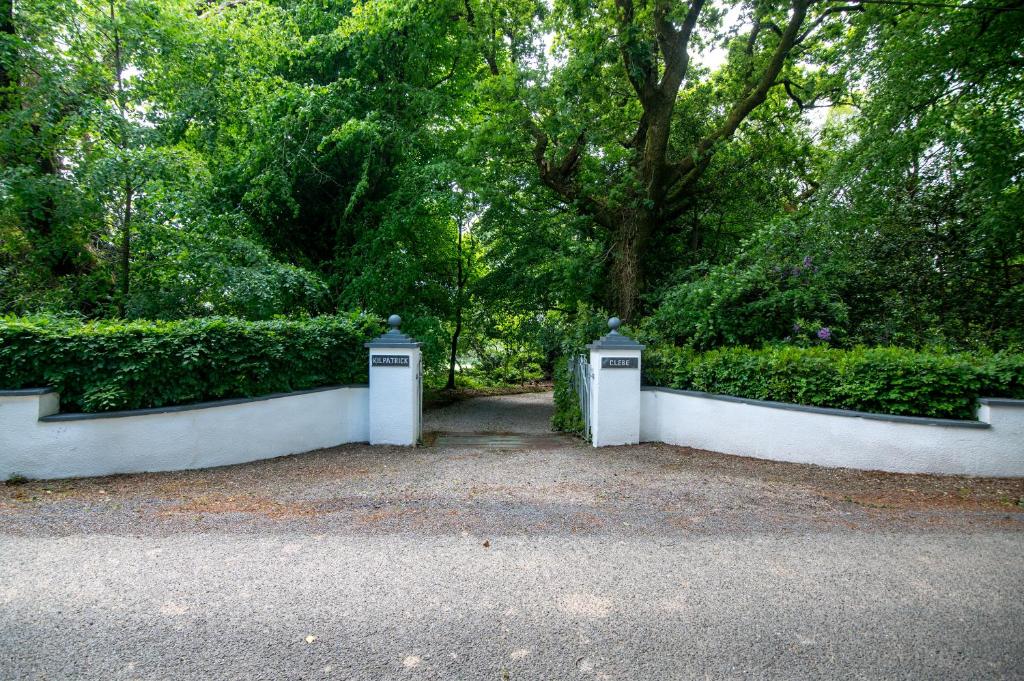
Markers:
point(108, 365)
point(880, 380)
point(567, 417)
point(1003, 375)
point(779, 286)
point(900, 381)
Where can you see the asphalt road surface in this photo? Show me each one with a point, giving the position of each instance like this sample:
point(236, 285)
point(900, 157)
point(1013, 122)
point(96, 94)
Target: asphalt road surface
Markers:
point(548, 561)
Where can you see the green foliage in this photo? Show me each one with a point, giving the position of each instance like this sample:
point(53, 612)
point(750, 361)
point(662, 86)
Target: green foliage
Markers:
point(885, 380)
point(101, 366)
point(302, 157)
point(205, 271)
point(568, 334)
point(1003, 375)
point(504, 348)
point(779, 287)
point(567, 417)
point(921, 198)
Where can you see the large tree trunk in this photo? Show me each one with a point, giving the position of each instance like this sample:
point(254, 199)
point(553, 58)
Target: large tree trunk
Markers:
point(126, 248)
point(627, 264)
point(42, 220)
point(450, 385)
point(460, 285)
point(655, 59)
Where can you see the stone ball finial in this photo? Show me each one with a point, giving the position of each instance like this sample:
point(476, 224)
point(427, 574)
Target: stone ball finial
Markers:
point(394, 321)
point(614, 323)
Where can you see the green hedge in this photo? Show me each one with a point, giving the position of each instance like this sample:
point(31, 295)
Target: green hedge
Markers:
point(880, 380)
point(102, 366)
point(567, 417)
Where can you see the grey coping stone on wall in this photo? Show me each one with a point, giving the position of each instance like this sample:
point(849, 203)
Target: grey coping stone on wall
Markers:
point(1001, 402)
point(917, 420)
point(189, 407)
point(26, 392)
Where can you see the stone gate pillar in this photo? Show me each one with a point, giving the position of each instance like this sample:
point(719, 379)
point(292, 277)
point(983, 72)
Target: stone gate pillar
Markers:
point(615, 391)
point(396, 387)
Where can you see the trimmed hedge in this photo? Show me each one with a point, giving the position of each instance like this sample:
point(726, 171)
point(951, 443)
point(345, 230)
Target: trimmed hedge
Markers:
point(880, 380)
point(111, 365)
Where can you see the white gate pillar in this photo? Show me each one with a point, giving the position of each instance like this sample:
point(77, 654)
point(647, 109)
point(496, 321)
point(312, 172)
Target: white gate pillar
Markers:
point(396, 387)
point(615, 393)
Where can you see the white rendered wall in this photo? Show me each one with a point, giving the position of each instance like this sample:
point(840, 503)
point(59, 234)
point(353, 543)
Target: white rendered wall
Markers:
point(847, 441)
point(615, 400)
point(176, 439)
point(396, 398)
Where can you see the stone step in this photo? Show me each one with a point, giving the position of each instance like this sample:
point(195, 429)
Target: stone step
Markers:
point(498, 440)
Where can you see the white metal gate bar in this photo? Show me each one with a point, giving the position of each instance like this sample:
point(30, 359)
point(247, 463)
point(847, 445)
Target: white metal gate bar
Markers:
point(580, 375)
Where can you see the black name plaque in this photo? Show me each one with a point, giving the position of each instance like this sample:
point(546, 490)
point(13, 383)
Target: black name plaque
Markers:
point(620, 363)
point(389, 360)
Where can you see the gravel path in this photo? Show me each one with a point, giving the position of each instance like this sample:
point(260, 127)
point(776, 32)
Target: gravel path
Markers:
point(526, 413)
point(548, 562)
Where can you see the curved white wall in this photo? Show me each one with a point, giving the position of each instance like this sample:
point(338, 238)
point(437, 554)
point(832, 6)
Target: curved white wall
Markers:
point(37, 442)
point(992, 446)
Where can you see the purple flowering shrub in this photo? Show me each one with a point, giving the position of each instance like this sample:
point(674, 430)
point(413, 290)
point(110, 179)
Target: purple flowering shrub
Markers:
point(805, 333)
point(774, 291)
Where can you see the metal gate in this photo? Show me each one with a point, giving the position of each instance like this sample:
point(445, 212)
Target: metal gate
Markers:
point(580, 376)
point(419, 401)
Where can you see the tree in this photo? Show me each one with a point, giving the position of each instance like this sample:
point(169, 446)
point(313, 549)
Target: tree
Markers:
point(7, 54)
point(484, 167)
point(625, 129)
point(915, 235)
point(461, 279)
point(131, 182)
point(45, 253)
point(923, 194)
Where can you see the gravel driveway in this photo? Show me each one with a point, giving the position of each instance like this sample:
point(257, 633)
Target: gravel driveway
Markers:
point(527, 413)
point(551, 561)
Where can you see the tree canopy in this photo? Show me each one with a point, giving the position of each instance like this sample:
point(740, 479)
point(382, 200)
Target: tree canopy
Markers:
point(716, 173)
